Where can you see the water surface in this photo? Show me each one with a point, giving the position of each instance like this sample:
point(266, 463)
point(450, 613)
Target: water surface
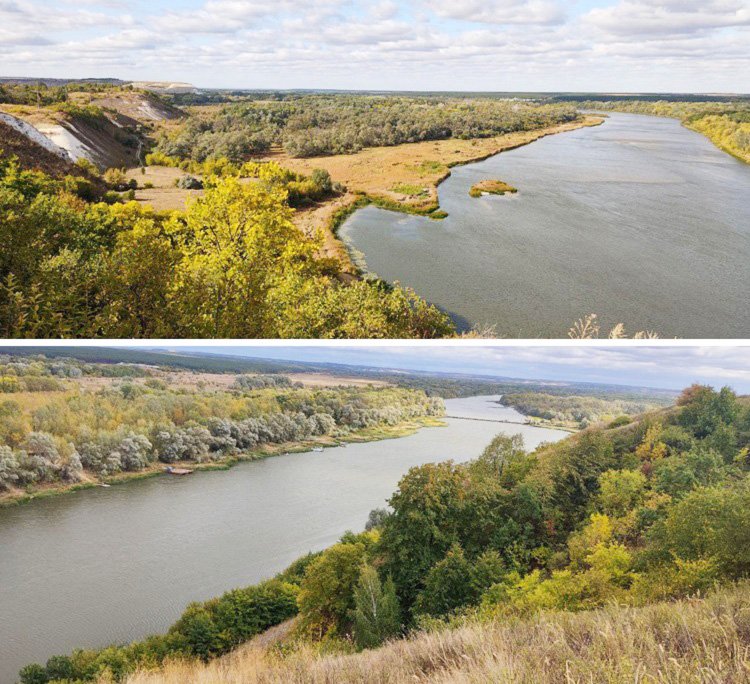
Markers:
point(112, 565)
point(640, 220)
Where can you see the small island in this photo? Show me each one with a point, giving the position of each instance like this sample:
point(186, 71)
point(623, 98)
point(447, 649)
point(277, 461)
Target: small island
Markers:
point(491, 187)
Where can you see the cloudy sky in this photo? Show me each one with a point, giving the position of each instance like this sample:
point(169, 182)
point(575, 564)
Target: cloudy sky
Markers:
point(663, 366)
point(613, 45)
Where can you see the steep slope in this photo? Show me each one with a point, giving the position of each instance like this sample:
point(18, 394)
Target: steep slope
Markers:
point(79, 133)
point(138, 107)
point(687, 641)
point(36, 152)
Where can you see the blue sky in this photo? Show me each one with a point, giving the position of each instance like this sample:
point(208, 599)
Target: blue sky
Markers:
point(615, 45)
point(662, 366)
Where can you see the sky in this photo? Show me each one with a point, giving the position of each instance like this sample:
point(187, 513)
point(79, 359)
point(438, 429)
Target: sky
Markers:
point(489, 45)
point(665, 367)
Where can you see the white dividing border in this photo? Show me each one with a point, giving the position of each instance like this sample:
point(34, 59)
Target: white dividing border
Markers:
point(171, 344)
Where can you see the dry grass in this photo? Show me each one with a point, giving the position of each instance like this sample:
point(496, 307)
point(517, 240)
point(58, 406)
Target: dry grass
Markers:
point(687, 642)
point(163, 196)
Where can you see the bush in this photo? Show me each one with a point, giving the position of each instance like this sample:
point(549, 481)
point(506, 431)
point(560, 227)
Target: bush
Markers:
point(189, 183)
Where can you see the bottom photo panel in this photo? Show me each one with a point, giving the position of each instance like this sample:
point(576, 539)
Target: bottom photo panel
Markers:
point(470, 511)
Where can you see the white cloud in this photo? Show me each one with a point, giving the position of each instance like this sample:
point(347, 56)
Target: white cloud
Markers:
point(414, 44)
point(500, 11)
point(669, 17)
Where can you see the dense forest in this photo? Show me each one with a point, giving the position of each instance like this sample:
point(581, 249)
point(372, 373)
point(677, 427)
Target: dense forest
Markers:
point(231, 265)
point(726, 124)
point(56, 430)
point(630, 514)
point(316, 125)
point(575, 411)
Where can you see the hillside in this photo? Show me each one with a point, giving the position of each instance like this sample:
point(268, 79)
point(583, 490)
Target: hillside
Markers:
point(687, 641)
point(32, 152)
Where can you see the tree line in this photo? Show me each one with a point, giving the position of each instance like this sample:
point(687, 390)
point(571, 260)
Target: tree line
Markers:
point(578, 411)
point(75, 435)
point(318, 125)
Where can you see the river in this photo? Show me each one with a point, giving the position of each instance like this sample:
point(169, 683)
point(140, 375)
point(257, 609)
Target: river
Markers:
point(112, 565)
point(640, 220)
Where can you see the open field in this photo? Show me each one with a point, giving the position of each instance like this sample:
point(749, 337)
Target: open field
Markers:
point(164, 195)
point(685, 642)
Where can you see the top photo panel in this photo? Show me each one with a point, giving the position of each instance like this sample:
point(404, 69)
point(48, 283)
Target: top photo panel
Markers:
point(373, 169)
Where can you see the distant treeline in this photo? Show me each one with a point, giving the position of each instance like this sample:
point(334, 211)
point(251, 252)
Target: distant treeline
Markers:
point(315, 125)
point(579, 411)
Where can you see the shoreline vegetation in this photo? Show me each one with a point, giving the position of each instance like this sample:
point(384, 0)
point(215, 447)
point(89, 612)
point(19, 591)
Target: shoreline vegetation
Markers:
point(491, 187)
point(369, 434)
point(67, 424)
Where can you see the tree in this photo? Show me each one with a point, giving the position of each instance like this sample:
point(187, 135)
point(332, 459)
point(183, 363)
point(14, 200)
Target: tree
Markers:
point(620, 491)
point(201, 634)
point(426, 521)
point(448, 585)
point(503, 452)
point(652, 448)
point(326, 597)
point(377, 518)
point(8, 467)
point(376, 615)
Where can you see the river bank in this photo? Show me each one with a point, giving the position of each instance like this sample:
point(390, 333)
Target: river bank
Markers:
point(17, 497)
point(379, 175)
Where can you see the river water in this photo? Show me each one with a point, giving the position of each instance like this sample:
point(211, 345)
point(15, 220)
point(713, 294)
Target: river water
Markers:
point(111, 565)
point(640, 220)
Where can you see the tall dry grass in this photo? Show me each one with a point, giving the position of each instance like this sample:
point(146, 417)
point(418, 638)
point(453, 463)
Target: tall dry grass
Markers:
point(684, 642)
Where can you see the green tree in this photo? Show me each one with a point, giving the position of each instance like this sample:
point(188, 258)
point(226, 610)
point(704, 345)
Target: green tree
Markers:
point(448, 585)
point(376, 616)
point(326, 597)
point(427, 518)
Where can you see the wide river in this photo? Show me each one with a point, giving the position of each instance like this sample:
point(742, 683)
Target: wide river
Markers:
point(640, 220)
point(111, 565)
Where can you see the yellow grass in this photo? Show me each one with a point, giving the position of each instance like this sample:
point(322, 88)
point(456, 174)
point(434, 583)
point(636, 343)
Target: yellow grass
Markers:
point(686, 642)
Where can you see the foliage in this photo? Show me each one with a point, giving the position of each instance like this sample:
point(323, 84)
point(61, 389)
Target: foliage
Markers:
point(579, 411)
point(233, 265)
point(327, 592)
point(317, 125)
point(376, 617)
point(67, 433)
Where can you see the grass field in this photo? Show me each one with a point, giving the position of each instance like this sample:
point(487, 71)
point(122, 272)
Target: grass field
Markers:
point(685, 642)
